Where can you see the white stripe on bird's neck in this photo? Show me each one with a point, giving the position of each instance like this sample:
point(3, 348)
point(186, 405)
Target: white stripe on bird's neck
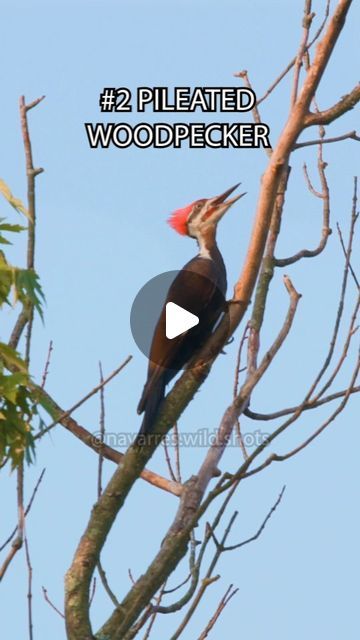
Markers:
point(204, 251)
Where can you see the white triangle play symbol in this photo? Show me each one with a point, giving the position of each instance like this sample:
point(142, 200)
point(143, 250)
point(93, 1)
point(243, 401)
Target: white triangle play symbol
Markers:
point(178, 320)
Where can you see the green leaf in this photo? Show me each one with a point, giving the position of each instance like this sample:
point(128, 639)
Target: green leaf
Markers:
point(6, 279)
point(13, 228)
point(15, 202)
point(27, 285)
point(11, 358)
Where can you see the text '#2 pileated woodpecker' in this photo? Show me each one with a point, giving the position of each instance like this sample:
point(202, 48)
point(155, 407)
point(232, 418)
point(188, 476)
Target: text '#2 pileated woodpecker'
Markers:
point(198, 291)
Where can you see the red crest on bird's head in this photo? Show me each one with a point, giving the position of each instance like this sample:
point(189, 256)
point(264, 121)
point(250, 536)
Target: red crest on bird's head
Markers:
point(178, 219)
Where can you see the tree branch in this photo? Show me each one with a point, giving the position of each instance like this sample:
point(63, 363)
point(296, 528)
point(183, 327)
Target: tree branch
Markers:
point(60, 416)
point(326, 231)
point(222, 604)
point(311, 404)
point(351, 135)
point(346, 103)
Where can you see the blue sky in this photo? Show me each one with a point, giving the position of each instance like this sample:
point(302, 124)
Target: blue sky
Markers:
point(102, 234)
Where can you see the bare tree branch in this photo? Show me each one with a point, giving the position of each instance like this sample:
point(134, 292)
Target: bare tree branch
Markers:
point(222, 604)
point(280, 458)
point(47, 365)
point(351, 135)
point(346, 103)
point(342, 296)
point(29, 593)
point(102, 431)
point(168, 461)
point(216, 450)
point(351, 332)
point(91, 393)
point(208, 578)
point(47, 599)
point(311, 404)
point(236, 389)
point(292, 62)
point(92, 440)
point(307, 21)
point(344, 251)
point(255, 111)
point(326, 231)
point(26, 510)
point(18, 542)
point(155, 613)
point(26, 315)
point(222, 548)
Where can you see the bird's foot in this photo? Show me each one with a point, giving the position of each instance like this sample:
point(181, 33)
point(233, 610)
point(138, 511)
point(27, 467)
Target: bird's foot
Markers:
point(229, 341)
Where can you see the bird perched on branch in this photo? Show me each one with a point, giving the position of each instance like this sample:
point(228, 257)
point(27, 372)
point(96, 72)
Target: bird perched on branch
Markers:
point(200, 288)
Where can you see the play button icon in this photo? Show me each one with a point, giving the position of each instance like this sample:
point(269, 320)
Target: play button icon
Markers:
point(178, 320)
point(174, 314)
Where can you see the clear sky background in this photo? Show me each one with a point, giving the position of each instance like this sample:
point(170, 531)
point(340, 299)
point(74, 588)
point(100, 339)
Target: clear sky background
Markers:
point(102, 234)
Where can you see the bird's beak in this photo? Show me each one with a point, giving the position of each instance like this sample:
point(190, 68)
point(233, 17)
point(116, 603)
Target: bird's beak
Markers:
point(219, 205)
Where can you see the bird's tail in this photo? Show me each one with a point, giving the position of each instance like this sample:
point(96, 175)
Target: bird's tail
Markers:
point(151, 399)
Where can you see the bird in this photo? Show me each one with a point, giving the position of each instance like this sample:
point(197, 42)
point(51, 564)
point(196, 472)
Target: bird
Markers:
point(200, 288)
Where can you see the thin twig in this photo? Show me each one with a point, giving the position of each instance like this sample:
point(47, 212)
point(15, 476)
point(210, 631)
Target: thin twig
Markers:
point(168, 461)
point(26, 510)
point(47, 364)
point(106, 585)
point(19, 327)
point(259, 531)
point(307, 20)
point(230, 592)
point(207, 580)
point(351, 332)
point(178, 586)
point(255, 111)
point(92, 592)
point(177, 454)
point(134, 630)
point(47, 599)
point(311, 188)
point(352, 135)
point(29, 593)
point(344, 251)
point(18, 542)
point(292, 62)
point(280, 458)
point(236, 389)
point(20, 502)
point(327, 116)
point(155, 613)
point(102, 431)
point(326, 231)
point(91, 393)
point(194, 574)
point(311, 404)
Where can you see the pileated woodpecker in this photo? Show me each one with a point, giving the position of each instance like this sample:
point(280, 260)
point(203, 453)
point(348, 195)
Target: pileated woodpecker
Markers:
point(199, 287)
